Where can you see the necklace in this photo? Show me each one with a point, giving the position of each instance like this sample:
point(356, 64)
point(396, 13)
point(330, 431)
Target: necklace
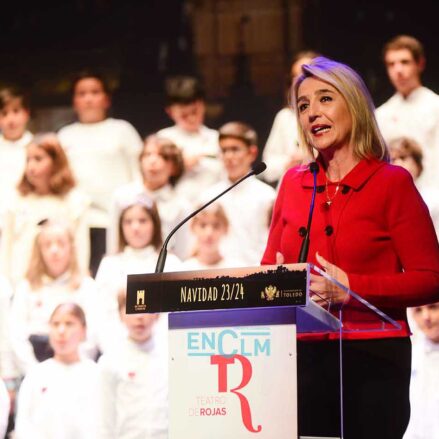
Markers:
point(329, 199)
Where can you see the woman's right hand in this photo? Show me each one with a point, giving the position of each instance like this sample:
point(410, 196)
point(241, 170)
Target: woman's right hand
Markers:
point(280, 259)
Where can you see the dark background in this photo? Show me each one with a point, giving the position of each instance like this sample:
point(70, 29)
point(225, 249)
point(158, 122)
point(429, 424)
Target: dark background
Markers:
point(139, 43)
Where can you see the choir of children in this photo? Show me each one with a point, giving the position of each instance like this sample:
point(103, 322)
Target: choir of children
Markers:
point(96, 201)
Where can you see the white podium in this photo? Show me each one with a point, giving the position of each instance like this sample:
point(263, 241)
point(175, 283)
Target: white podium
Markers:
point(232, 345)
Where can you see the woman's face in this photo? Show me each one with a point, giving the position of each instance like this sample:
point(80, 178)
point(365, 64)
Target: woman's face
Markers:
point(39, 168)
point(323, 115)
point(56, 250)
point(137, 227)
point(66, 332)
point(156, 170)
point(208, 230)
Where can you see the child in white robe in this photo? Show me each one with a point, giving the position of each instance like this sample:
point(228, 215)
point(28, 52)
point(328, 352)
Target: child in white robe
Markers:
point(53, 277)
point(140, 240)
point(58, 398)
point(161, 166)
point(424, 384)
point(14, 137)
point(248, 206)
point(134, 379)
point(209, 227)
point(103, 152)
point(46, 190)
point(185, 105)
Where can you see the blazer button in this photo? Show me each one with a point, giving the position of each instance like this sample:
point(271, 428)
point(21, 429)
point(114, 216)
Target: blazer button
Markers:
point(329, 230)
point(320, 189)
point(302, 231)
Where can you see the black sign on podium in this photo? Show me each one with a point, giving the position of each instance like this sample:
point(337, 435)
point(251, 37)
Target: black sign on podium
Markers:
point(253, 287)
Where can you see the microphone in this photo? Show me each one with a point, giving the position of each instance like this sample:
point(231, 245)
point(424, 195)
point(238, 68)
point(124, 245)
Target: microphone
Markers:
point(257, 168)
point(303, 255)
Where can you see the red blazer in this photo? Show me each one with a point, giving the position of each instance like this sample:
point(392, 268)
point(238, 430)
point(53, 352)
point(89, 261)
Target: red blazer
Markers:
point(377, 229)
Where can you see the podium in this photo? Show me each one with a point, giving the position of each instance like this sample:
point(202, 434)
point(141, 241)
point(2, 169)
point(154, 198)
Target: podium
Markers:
point(232, 345)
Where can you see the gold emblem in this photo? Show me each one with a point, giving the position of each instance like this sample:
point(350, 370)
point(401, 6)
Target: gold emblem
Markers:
point(270, 293)
point(140, 302)
point(140, 297)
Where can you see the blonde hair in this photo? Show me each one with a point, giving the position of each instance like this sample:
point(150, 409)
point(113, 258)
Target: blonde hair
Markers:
point(366, 138)
point(38, 268)
point(218, 212)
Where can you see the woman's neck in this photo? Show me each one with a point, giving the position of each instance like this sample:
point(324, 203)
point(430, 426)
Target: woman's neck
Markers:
point(339, 163)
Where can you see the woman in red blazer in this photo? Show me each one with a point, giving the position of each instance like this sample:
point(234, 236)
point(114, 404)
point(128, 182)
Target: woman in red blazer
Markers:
point(371, 231)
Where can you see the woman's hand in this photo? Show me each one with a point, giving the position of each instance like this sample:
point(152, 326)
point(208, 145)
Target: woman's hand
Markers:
point(322, 290)
point(280, 259)
point(325, 291)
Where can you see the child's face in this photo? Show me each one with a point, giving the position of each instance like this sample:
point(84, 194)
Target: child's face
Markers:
point(39, 167)
point(139, 326)
point(427, 318)
point(406, 161)
point(13, 120)
point(156, 170)
point(90, 100)
point(208, 230)
point(56, 250)
point(66, 332)
point(403, 70)
point(237, 157)
point(137, 227)
point(189, 117)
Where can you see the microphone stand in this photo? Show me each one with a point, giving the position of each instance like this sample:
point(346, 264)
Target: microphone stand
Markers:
point(256, 169)
point(303, 255)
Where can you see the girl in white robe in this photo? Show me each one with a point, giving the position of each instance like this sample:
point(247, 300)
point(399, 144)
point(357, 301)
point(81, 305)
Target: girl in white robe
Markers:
point(58, 398)
point(53, 277)
point(140, 240)
point(161, 166)
point(46, 190)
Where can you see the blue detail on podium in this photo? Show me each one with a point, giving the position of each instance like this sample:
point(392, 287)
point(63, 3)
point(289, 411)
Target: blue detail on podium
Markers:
point(311, 318)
